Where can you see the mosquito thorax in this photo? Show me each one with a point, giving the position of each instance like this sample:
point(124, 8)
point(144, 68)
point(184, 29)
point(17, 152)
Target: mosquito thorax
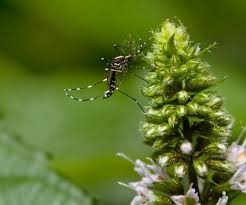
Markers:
point(119, 58)
point(128, 57)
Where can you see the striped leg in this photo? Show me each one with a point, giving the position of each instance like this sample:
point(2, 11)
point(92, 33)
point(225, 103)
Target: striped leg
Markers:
point(67, 90)
point(81, 99)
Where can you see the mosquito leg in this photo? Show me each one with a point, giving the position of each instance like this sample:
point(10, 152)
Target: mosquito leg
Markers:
point(81, 99)
point(67, 90)
point(140, 78)
point(135, 100)
point(89, 86)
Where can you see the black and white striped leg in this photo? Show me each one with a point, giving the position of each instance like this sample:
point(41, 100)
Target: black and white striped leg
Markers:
point(86, 87)
point(81, 99)
point(67, 90)
point(134, 99)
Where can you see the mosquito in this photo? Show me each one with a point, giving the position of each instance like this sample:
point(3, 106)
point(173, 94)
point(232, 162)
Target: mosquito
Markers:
point(115, 66)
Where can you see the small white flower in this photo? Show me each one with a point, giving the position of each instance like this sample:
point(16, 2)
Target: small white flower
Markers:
point(222, 147)
point(144, 195)
point(190, 195)
point(180, 170)
point(236, 152)
point(238, 180)
point(150, 172)
point(222, 200)
point(163, 160)
point(186, 147)
point(202, 169)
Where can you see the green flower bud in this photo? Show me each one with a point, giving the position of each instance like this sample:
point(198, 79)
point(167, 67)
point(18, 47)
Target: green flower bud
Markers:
point(168, 110)
point(154, 131)
point(153, 90)
point(157, 101)
point(159, 64)
point(215, 102)
point(151, 77)
point(161, 59)
point(220, 165)
point(186, 68)
point(173, 121)
point(182, 70)
point(193, 108)
point(215, 149)
point(167, 159)
point(146, 126)
point(221, 132)
point(168, 81)
point(201, 82)
point(204, 111)
point(162, 74)
point(222, 187)
point(182, 97)
point(201, 98)
point(157, 143)
point(220, 118)
point(181, 111)
point(154, 115)
point(200, 167)
point(198, 110)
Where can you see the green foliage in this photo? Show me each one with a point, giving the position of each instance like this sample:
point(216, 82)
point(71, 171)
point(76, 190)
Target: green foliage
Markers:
point(26, 177)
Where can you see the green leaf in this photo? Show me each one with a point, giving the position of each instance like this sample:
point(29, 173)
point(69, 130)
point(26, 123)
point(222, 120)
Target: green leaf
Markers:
point(171, 48)
point(27, 178)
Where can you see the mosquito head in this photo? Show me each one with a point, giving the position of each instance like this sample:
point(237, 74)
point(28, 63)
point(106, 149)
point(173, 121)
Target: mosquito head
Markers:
point(128, 57)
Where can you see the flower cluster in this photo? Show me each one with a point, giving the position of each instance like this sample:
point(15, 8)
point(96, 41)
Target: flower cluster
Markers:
point(237, 156)
point(187, 126)
point(151, 174)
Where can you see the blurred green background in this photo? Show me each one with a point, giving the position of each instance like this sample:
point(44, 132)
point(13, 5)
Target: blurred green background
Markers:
point(46, 46)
